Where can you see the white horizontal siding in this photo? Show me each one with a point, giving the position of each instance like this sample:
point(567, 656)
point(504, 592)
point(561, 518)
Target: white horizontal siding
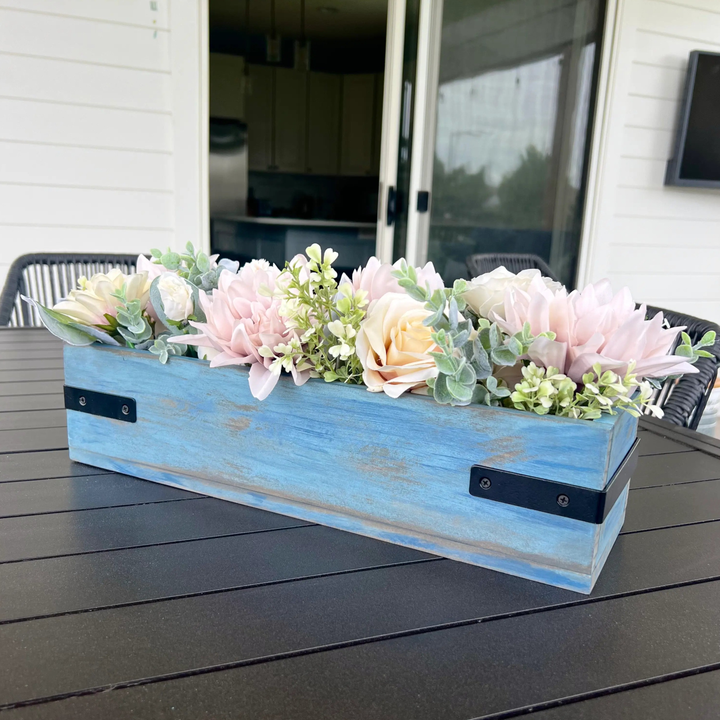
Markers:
point(662, 242)
point(85, 167)
point(122, 12)
point(82, 84)
point(665, 234)
point(37, 121)
point(82, 207)
point(86, 127)
point(85, 41)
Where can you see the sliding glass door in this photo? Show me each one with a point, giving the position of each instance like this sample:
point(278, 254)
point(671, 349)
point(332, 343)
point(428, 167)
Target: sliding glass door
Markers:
point(501, 118)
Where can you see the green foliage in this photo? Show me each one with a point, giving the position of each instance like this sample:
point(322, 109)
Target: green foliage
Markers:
point(326, 317)
point(471, 350)
point(692, 353)
point(194, 266)
point(164, 349)
point(132, 324)
point(67, 329)
point(546, 391)
point(63, 327)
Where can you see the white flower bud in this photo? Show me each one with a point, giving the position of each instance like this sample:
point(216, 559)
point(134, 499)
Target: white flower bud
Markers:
point(177, 297)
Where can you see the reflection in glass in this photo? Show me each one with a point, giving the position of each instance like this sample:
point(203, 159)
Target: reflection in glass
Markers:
point(515, 91)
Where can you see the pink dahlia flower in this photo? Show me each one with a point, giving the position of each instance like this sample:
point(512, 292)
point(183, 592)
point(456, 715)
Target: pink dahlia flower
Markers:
point(377, 280)
point(591, 326)
point(239, 321)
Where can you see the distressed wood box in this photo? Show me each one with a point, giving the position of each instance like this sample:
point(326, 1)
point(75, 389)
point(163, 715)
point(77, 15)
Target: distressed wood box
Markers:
point(488, 486)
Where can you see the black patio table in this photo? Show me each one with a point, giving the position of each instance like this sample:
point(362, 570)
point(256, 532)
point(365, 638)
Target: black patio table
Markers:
point(121, 598)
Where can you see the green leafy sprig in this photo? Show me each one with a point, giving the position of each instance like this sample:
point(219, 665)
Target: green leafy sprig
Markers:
point(547, 391)
point(326, 319)
point(468, 356)
point(132, 324)
point(194, 266)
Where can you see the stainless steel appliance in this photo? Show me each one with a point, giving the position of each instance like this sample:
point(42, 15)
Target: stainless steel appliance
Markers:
point(228, 167)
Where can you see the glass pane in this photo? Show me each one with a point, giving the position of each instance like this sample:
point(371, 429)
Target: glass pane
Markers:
point(516, 85)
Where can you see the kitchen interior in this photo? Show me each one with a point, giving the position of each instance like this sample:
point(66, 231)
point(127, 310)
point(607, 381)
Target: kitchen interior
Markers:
point(296, 90)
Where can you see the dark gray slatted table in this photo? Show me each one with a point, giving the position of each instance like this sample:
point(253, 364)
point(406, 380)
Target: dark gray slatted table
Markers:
point(121, 598)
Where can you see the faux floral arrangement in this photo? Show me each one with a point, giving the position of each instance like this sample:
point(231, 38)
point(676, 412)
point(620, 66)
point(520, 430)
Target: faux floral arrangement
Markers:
point(519, 341)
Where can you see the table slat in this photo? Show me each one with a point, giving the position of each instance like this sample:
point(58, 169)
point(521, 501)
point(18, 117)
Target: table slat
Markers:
point(652, 444)
point(81, 493)
point(93, 530)
point(32, 419)
point(458, 673)
point(676, 468)
point(695, 696)
point(32, 402)
point(15, 441)
point(23, 389)
point(13, 376)
point(41, 465)
point(235, 626)
point(80, 582)
point(673, 505)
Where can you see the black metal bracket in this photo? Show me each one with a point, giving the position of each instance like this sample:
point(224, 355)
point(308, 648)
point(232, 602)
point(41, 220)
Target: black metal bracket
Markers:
point(102, 404)
point(571, 501)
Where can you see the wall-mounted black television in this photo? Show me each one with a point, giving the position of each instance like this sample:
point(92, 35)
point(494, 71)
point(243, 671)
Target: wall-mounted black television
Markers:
point(696, 158)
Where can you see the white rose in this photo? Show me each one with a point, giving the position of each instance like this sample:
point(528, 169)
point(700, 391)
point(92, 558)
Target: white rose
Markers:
point(393, 345)
point(487, 292)
point(176, 295)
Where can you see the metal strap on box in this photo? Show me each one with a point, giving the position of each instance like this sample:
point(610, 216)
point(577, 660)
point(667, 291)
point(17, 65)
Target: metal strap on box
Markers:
point(571, 501)
point(98, 403)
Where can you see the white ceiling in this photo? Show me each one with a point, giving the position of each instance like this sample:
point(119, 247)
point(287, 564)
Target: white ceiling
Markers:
point(354, 18)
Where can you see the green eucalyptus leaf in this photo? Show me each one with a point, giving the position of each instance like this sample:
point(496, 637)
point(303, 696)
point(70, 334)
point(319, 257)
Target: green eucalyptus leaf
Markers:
point(515, 346)
point(203, 262)
point(495, 336)
point(61, 326)
point(434, 319)
point(446, 364)
point(441, 392)
point(453, 313)
point(460, 392)
point(503, 356)
point(171, 260)
point(466, 375)
point(98, 334)
point(484, 337)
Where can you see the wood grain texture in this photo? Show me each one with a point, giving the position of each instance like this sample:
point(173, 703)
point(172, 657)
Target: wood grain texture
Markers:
point(330, 454)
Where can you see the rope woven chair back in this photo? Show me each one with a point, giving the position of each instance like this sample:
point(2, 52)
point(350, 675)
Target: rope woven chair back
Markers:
point(514, 262)
point(683, 401)
point(48, 279)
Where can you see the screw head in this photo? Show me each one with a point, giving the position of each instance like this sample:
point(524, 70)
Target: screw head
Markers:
point(82, 400)
point(125, 410)
point(485, 483)
point(563, 500)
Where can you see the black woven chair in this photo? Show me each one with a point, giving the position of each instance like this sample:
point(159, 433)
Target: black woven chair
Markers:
point(514, 262)
point(48, 278)
point(683, 401)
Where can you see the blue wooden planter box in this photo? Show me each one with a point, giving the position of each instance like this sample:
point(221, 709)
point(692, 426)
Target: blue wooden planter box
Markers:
point(396, 470)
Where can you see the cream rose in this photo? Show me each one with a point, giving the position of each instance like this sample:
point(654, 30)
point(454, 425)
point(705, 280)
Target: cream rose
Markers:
point(486, 292)
point(94, 298)
point(176, 295)
point(393, 345)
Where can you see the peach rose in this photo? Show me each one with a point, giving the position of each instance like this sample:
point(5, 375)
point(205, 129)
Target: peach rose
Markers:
point(393, 345)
